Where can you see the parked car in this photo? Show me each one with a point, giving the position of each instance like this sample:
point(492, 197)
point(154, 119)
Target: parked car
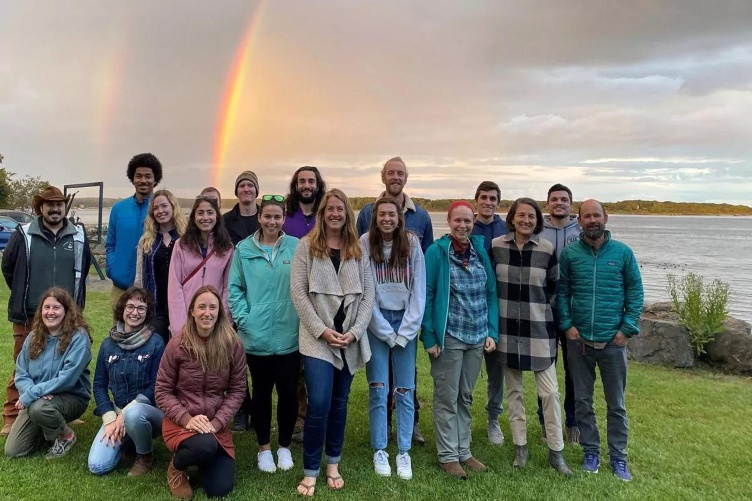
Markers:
point(17, 215)
point(7, 227)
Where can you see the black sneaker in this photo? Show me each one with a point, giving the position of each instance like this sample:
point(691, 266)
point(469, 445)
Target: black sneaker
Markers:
point(61, 447)
point(240, 422)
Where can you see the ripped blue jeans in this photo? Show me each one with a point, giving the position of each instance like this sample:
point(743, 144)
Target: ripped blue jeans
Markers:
point(377, 373)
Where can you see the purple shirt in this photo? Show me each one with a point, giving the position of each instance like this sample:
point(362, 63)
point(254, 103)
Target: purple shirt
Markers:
point(298, 224)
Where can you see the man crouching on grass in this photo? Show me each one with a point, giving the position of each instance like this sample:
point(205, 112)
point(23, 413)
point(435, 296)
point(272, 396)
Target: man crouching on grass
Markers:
point(599, 300)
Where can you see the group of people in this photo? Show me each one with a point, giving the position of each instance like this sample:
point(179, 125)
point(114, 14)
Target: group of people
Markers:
point(301, 294)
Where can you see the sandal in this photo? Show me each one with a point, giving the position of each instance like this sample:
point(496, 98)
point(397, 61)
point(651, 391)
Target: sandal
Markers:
point(309, 489)
point(331, 480)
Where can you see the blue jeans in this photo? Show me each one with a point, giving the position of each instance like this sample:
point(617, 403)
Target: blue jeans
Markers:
point(143, 423)
point(612, 362)
point(328, 392)
point(377, 372)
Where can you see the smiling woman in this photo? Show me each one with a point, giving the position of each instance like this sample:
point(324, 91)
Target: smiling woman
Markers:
point(201, 257)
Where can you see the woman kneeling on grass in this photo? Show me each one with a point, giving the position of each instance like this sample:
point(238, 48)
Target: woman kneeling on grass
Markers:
point(52, 377)
point(259, 296)
point(332, 288)
point(200, 385)
point(399, 275)
point(460, 322)
point(127, 366)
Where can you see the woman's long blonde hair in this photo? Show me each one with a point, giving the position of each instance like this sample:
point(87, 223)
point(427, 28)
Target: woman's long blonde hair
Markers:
point(215, 354)
point(72, 322)
point(151, 227)
point(317, 238)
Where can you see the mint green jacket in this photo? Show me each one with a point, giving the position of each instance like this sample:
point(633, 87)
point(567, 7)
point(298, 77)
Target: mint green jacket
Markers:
point(258, 292)
point(437, 291)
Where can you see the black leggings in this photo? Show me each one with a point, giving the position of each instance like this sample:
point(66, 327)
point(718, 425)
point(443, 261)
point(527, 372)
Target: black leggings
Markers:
point(217, 468)
point(266, 373)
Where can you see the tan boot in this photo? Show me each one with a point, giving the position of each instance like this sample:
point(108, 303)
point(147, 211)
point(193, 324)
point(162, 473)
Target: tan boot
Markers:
point(474, 464)
point(143, 464)
point(454, 469)
point(178, 482)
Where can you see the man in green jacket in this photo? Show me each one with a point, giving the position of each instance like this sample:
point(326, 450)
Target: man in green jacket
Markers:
point(599, 301)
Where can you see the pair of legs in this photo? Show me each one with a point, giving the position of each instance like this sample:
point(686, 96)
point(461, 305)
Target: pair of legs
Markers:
point(44, 420)
point(10, 413)
point(143, 423)
point(548, 393)
point(454, 373)
point(328, 393)
point(401, 385)
point(569, 414)
point(495, 365)
point(217, 468)
point(612, 363)
point(268, 372)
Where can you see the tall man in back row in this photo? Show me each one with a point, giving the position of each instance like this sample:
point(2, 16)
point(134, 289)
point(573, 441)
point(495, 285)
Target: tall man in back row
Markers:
point(48, 252)
point(417, 220)
point(599, 301)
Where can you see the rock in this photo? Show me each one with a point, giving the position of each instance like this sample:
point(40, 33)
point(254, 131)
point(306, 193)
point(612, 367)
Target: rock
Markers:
point(661, 342)
point(732, 348)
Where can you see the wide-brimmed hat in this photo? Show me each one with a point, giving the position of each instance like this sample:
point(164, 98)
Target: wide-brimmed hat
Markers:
point(49, 194)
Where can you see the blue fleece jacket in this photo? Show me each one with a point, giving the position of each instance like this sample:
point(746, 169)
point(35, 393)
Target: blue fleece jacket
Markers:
point(437, 292)
point(52, 372)
point(489, 231)
point(123, 233)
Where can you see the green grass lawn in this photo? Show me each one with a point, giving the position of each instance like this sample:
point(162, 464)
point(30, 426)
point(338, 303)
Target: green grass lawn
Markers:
point(691, 438)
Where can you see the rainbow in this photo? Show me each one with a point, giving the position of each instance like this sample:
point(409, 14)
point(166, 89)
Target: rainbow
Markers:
point(233, 92)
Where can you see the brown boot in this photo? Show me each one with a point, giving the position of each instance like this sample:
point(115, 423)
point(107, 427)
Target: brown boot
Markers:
point(474, 464)
point(178, 482)
point(6, 429)
point(454, 469)
point(143, 464)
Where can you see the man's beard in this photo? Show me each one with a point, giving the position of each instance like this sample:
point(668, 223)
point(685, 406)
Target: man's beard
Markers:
point(306, 199)
point(595, 233)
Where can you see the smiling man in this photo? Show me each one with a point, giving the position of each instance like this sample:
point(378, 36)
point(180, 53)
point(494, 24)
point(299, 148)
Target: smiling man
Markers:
point(307, 188)
point(127, 222)
point(242, 220)
point(599, 302)
point(47, 252)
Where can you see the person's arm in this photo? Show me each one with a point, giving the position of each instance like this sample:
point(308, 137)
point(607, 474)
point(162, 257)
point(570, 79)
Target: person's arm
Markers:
point(165, 388)
point(104, 406)
point(157, 355)
point(235, 393)
point(299, 292)
point(378, 326)
point(138, 281)
point(364, 220)
point(564, 293)
point(427, 332)
point(427, 238)
point(85, 266)
point(76, 358)
point(223, 288)
point(175, 297)
point(633, 297)
point(110, 242)
point(236, 292)
point(416, 305)
point(552, 278)
point(491, 298)
point(12, 253)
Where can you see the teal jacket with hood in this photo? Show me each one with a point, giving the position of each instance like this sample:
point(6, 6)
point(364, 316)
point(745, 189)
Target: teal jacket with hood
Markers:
point(258, 292)
point(599, 292)
point(437, 292)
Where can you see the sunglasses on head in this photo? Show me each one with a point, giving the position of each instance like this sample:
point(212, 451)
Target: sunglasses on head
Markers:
point(276, 198)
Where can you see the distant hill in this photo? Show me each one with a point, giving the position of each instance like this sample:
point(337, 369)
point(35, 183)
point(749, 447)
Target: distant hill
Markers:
point(644, 207)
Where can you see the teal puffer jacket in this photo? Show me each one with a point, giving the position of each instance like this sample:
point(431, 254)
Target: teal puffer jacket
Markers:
point(599, 292)
point(258, 292)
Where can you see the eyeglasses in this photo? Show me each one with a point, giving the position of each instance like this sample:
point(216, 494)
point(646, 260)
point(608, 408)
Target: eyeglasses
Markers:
point(276, 198)
point(129, 308)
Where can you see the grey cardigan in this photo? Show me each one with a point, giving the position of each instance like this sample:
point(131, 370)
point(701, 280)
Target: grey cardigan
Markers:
point(317, 292)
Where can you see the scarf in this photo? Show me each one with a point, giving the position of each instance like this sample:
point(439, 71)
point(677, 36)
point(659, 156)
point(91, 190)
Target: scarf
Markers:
point(461, 250)
point(130, 340)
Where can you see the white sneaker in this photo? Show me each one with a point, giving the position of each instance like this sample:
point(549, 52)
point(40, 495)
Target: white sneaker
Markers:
point(266, 461)
point(495, 435)
point(381, 463)
point(404, 466)
point(284, 459)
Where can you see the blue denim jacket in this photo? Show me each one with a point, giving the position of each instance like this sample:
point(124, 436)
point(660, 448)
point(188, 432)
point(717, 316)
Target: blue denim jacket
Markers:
point(126, 374)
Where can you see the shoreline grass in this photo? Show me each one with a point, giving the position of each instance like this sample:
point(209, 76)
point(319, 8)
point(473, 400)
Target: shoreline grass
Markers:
point(689, 439)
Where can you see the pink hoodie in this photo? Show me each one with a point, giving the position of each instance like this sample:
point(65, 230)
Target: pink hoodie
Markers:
point(214, 272)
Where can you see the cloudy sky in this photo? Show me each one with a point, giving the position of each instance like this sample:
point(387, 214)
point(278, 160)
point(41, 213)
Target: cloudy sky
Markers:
point(618, 100)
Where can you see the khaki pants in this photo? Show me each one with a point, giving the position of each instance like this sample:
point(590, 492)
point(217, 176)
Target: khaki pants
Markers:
point(20, 333)
point(42, 420)
point(548, 392)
